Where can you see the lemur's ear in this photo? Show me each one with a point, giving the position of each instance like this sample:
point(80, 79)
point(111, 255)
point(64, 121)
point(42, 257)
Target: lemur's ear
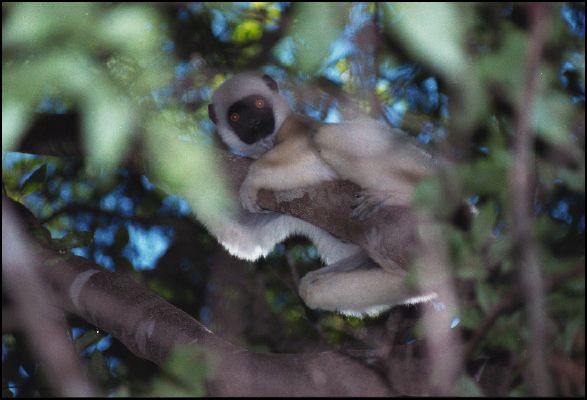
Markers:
point(212, 113)
point(269, 81)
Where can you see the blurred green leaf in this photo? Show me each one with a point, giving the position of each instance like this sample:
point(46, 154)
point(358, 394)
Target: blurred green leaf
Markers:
point(575, 180)
point(186, 371)
point(486, 176)
point(552, 117)
point(184, 166)
point(432, 32)
point(16, 116)
point(133, 30)
point(505, 65)
point(499, 249)
point(509, 332)
point(33, 24)
point(486, 295)
point(467, 387)
point(315, 26)
point(99, 367)
point(483, 224)
point(471, 266)
point(427, 192)
point(108, 120)
point(87, 339)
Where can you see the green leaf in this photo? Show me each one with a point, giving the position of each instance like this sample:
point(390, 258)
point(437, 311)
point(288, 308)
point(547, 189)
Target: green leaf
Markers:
point(248, 30)
point(73, 240)
point(483, 224)
point(34, 181)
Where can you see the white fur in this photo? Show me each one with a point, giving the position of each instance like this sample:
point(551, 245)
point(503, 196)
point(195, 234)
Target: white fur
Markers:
point(251, 236)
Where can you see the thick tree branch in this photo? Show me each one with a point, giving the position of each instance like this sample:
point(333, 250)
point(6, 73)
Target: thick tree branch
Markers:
point(151, 328)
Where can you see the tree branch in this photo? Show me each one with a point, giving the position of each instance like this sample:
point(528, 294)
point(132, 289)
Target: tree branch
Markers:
point(521, 184)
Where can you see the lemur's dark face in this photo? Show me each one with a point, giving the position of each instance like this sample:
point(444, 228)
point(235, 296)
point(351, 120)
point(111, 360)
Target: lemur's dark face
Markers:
point(251, 118)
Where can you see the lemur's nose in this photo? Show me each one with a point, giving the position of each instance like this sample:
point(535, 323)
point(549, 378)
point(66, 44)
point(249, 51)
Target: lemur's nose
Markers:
point(254, 123)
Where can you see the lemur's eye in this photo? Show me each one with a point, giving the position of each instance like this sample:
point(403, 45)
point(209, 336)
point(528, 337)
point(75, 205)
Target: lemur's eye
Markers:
point(259, 103)
point(234, 117)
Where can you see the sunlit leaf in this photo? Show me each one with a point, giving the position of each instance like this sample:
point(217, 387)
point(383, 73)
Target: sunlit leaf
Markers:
point(314, 28)
point(32, 24)
point(34, 181)
point(248, 30)
point(433, 32)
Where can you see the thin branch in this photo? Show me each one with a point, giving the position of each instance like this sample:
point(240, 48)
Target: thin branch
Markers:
point(44, 326)
point(521, 184)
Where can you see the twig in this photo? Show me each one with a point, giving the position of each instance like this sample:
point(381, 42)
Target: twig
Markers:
point(512, 302)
